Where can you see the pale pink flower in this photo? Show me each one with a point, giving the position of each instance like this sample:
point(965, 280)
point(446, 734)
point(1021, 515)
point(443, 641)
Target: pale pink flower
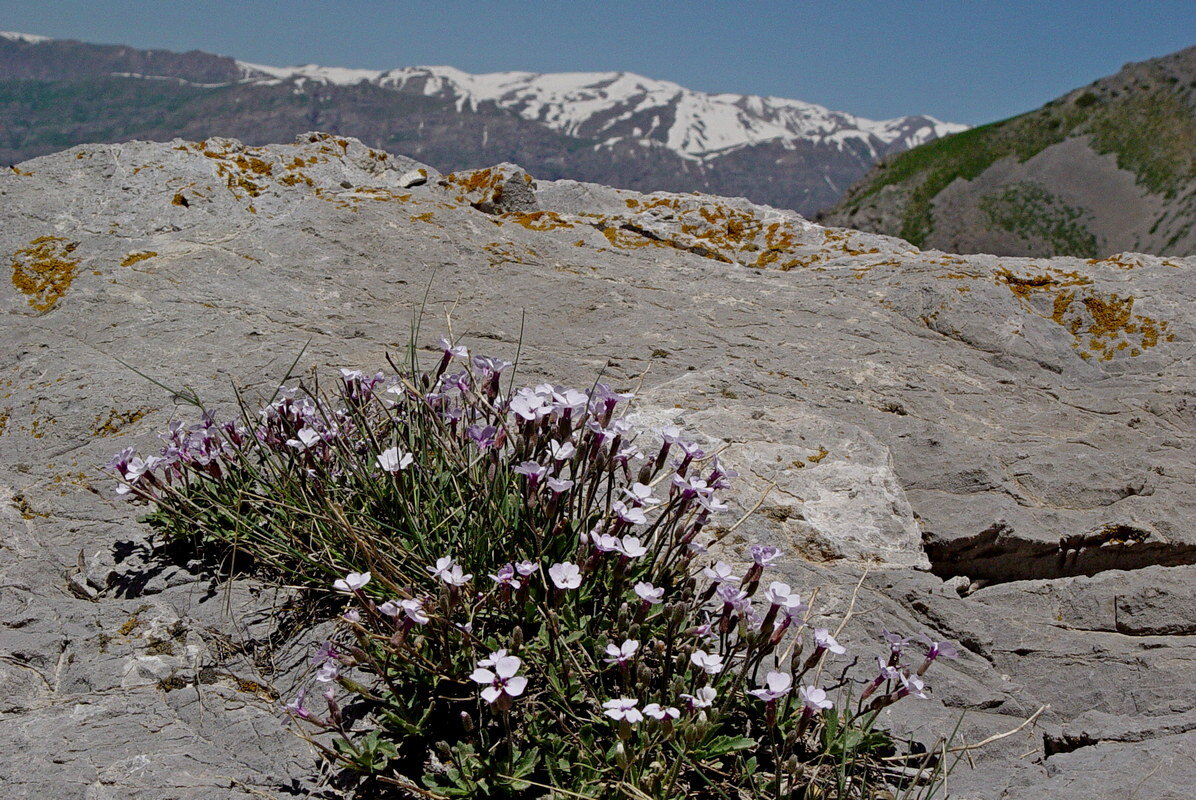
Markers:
point(455, 576)
point(352, 582)
point(824, 641)
point(443, 565)
point(624, 710)
point(710, 663)
point(763, 555)
point(561, 451)
point(502, 680)
point(393, 459)
point(649, 593)
point(605, 542)
point(776, 686)
point(721, 572)
point(306, 437)
point(912, 684)
point(565, 575)
point(621, 654)
point(631, 547)
point(641, 495)
point(493, 658)
point(661, 713)
point(632, 516)
point(702, 698)
point(814, 699)
point(506, 576)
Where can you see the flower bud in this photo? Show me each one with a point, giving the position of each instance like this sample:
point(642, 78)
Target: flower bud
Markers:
point(644, 675)
point(517, 638)
point(334, 709)
point(466, 722)
point(620, 751)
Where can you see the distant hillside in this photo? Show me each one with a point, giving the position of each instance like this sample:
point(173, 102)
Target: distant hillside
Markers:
point(614, 128)
point(1106, 168)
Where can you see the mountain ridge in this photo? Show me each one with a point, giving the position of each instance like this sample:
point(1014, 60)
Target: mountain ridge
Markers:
point(641, 133)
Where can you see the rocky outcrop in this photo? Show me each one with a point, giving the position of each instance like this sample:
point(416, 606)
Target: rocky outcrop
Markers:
point(1021, 427)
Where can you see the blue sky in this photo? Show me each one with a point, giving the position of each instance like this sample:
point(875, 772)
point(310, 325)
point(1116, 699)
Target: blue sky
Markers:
point(963, 61)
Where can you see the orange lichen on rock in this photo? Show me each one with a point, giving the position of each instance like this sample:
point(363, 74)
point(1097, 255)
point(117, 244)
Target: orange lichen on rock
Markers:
point(487, 183)
point(539, 220)
point(1101, 323)
point(117, 420)
point(133, 258)
point(44, 271)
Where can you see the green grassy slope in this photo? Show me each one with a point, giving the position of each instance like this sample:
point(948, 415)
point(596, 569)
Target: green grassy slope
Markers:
point(1146, 119)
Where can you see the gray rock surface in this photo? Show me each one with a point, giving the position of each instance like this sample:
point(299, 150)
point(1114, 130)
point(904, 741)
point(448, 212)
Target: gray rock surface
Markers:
point(901, 408)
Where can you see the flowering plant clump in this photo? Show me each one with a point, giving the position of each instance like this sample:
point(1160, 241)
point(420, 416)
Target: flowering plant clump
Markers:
point(528, 600)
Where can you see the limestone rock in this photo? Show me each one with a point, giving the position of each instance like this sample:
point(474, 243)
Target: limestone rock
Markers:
point(1027, 422)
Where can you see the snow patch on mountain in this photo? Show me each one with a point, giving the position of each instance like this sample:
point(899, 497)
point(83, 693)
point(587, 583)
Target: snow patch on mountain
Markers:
point(607, 105)
point(31, 38)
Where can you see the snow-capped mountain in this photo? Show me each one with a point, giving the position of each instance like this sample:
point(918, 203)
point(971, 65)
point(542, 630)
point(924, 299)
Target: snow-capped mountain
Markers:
point(615, 128)
point(615, 106)
point(30, 38)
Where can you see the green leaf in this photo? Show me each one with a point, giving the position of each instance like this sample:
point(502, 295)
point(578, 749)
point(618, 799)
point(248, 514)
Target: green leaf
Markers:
point(721, 745)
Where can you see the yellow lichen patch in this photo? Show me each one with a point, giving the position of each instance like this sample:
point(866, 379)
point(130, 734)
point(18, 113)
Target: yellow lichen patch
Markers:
point(363, 193)
point(129, 625)
point(627, 239)
point(843, 241)
point(767, 257)
point(44, 270)
point(133, 258)
point(19, 171)
point(1025, 285)
point(21, 504)
point(821, 454)
point(1102, 324)
point(79, 480)
point(255, 165)
point(506, 252)
point(293, 178)
point(38, 429)
point(179, 200)
point(116, 421)
point(486, 183)
point(427, 216)
point(5, 414)
point(260, 690)
point(539, 220)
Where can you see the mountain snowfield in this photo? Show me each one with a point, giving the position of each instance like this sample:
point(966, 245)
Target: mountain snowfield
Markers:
point(612, 106)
